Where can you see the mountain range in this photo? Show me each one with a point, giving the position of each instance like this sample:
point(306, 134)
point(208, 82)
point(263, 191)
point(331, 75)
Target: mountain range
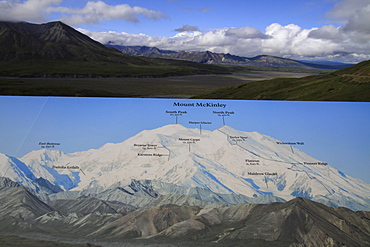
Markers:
point(298, 222)
point(174, 184)
point(208, 57)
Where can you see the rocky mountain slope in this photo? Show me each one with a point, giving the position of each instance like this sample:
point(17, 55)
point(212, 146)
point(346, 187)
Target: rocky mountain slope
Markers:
point(20, 203)
point(299, 222)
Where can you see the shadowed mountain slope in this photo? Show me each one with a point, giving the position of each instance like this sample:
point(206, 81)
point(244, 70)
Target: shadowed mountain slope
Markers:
point(19, 203)
point(147, 222)
point(53, 40)
point(85, 205)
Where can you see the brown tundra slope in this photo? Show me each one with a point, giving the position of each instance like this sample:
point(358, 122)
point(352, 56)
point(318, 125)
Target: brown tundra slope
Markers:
point(299, 222)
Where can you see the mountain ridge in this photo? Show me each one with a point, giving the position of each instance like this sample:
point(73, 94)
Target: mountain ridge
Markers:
point(209, 57)
point(293, 223)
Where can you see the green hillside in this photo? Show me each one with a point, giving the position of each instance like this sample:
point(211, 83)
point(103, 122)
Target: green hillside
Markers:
point(349, 84)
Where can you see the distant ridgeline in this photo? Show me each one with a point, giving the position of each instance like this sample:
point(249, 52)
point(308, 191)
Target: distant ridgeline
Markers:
point(208, 57)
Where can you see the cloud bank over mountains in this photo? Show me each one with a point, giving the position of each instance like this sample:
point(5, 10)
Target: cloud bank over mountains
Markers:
point(348, 42)
point(292, 41)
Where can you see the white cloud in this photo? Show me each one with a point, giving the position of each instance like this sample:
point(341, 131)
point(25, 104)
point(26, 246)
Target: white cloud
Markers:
point(352, 39)
point(246, 33)
point(30, 10)
point(328, 32)
point(356, 16)
point(359, 21)
point(293, 41)
point(125, 38)
point(214, 40)
point(290, 41)
point(345, 9)
point(93, 12)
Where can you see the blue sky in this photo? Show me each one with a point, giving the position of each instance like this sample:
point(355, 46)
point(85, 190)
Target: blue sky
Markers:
point(218, 14)
point(334, 132)
point(336, 30)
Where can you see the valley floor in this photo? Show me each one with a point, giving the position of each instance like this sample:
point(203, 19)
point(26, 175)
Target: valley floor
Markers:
point(168, 87)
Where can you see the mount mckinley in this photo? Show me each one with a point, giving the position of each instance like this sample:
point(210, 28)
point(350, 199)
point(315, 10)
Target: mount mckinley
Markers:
point(224, 166)
point(174, 185)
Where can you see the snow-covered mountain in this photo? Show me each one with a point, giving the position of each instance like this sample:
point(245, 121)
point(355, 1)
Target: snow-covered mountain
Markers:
point(41, 163)
point(224, 161)
point(17, 171)
point(14, 169)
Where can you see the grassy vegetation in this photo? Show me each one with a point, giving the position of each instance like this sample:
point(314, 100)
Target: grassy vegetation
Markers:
point(125, 67)
point(75, 68)
point(350, 84)
point(15, 241)
point(247, 69)
point(169, 87)
point(360, 69)
point(149, 68)
point(19, 87)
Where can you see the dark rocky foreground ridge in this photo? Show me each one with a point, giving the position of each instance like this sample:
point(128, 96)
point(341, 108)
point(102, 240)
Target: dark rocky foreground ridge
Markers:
point(299, 222)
